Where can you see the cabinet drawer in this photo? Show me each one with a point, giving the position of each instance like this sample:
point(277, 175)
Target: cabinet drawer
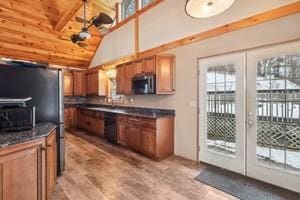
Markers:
point(133, 120)
point(122, 118)
point(148, 123)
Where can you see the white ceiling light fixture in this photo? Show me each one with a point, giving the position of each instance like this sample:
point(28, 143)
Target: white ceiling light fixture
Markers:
point(207, 8)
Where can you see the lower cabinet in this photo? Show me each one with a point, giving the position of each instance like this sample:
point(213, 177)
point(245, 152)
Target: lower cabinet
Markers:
point(91, 121)
point(133, 137)
point(148, 140)
point(51, 165)
point(23, 168)
point(153, 138)
point(70, 118)
point(121, 136)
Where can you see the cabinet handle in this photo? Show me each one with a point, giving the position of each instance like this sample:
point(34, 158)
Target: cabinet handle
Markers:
point(43, 148)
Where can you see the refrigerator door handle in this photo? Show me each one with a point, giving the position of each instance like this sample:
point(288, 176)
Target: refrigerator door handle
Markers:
point(61, 95)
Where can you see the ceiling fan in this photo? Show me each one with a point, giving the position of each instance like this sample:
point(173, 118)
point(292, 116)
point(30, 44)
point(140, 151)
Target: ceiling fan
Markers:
point(97, 21)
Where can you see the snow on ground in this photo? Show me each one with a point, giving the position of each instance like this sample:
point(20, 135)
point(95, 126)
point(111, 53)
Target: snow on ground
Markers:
point(277, 155)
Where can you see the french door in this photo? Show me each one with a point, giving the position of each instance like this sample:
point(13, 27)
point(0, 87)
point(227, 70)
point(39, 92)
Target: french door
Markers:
point(273, 110)
point(249, 119)
point(222, 108)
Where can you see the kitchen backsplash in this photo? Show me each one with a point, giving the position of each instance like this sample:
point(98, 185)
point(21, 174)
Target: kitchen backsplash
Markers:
point(146, 101)
point(75, 100)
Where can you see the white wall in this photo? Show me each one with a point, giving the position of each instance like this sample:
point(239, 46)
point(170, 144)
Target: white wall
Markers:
point(186, 74)
point(117, 44)
point(168, 21)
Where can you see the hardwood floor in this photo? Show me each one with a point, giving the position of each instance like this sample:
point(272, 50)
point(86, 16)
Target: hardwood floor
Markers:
point(98, 170)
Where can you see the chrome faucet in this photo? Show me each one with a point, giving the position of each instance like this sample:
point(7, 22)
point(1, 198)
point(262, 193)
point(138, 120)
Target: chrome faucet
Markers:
point(110, 101)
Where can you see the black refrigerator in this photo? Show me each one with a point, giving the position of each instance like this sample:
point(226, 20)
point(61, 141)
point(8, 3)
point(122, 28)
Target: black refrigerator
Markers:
point(45, 86)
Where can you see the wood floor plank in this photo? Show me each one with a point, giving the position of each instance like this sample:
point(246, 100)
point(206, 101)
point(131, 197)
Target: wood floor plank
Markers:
point(96, 169)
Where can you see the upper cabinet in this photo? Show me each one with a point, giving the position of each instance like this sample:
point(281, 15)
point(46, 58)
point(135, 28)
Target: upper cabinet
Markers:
point(96, 83)
point(79, 83)
point(68, 84)
point(163, 66)
point(149, 65)
point(165, 74)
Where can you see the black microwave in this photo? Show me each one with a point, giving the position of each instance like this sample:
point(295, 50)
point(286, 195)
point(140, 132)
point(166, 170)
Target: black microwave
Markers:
point(144, 84)
point(17, 118)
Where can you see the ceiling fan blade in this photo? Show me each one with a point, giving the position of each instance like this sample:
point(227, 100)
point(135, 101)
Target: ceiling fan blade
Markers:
point(82, 44)
point(81, 20)
point(102, 18)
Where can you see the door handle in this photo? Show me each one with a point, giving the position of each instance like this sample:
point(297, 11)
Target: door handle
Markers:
point(250, 121)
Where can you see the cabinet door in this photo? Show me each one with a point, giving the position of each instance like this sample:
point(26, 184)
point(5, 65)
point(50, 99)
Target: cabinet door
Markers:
point(102, 83)
point(67, 118)
point(98, 127)
point(94, 83)
point(148, 141)
point(88, 83)
point(120, 79)
point(138, 67)
point(133, 137)
point(51, 163)
point(21, 175)
point(165, 74)
point(149, 65)
point(121, 133)
point(128, 76)
point(68, 84)
point(79, 83)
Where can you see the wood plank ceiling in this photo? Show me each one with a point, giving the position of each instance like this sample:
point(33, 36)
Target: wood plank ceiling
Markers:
point(39, 30)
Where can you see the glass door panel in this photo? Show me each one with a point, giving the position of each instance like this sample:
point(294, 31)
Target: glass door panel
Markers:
point(221, 126)
point(273, 104)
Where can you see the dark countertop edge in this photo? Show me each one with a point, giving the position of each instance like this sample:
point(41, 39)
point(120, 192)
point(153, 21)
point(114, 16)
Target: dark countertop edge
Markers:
point(133, 111)
point(29, 139)
point(153, 116)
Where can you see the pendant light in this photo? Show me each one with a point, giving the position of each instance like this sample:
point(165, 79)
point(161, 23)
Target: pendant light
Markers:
point(206, 8)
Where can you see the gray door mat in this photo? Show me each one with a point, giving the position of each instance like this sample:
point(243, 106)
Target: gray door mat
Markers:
point(243, 187)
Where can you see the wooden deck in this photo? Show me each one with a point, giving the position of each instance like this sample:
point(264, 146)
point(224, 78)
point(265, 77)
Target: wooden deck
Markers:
point(98, 170)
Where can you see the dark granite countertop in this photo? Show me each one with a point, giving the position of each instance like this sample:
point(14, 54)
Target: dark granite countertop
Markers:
point(134, 111)
point(41, 130)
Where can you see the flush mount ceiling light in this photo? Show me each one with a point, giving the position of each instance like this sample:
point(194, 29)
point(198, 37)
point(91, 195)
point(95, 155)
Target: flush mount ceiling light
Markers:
point(206, 8)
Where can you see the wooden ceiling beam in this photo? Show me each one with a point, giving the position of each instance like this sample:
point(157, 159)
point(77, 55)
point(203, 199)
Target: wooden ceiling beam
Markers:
point(68, 15)
point(21, 55)
point(43, 52)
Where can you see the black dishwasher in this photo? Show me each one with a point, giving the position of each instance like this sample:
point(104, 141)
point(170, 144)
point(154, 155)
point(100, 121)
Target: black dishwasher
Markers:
point(110, 124)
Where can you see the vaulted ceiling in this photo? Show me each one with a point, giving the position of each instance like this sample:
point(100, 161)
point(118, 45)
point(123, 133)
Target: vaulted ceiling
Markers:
point(40, 30)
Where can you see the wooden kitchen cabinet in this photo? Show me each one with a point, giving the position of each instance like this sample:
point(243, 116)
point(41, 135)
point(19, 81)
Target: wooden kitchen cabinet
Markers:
point(68, 84)
point(129, 70)
point(148, 140)
point(120, 79)
point(151, 137)
point(51, 165)
point(96, 83)
point(163, 66)
point(149, 65)
point(138, 67)
point(121, 136)
point(133, 137)
point(91, 121)
point(28, 170)
point(70, 118)
point(79, 83)
point(165, 74)
point(21, 174)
